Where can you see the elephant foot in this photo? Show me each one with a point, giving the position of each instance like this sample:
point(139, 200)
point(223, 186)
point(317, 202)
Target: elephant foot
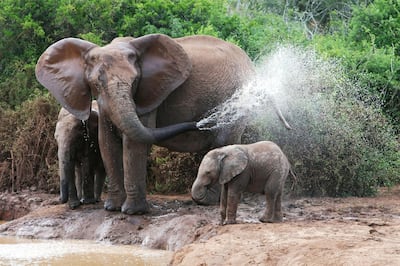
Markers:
point(63, 199)
point(112, 205)
point(97, 198)
point(230, 221)
point(135, 207)
point(73, 204)
point(88, 201)
point(271, 220)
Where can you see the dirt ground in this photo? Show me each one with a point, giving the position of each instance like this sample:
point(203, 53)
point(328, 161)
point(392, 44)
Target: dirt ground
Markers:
point(315, 231)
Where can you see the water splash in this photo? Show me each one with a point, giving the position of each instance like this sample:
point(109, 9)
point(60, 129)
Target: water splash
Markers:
point(341, 143)
point(288, 73)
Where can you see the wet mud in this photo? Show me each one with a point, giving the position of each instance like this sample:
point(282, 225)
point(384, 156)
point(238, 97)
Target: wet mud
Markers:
point(315, 231)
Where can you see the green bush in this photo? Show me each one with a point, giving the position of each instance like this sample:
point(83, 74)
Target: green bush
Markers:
point(171, 172)
point(368, 47)
point(342, 143)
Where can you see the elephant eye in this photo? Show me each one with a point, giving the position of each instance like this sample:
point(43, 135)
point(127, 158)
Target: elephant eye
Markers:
point(132, 57)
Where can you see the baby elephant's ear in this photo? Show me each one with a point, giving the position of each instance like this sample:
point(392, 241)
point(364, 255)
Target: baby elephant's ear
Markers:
point(233, 164)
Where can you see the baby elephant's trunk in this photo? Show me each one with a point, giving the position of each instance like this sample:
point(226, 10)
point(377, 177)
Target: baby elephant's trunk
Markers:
point(206, 195)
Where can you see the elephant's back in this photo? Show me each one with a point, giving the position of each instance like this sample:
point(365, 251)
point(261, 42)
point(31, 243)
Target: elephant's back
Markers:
point(212, 55)
point(219, 68)
point(267, 153)
point(67, 127)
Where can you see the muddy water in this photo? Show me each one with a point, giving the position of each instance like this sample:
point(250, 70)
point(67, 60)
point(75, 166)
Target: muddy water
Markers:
point(17, 251)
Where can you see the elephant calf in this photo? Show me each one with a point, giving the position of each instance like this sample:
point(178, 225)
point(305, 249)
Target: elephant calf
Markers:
point(260, 167)
point(81, 168)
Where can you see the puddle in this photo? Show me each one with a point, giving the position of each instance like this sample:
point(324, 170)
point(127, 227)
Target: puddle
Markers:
point(19, 251)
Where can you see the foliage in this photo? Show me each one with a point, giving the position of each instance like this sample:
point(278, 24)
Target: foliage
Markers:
point(341, 144)
point(29, 153)
point(370, 51)
point(172, 172)
point(362, 34)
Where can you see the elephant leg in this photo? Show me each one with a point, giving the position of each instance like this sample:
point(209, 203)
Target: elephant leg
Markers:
point(230, 134)
point(67, 168)
point(78, 182)
point(87, 181)
point(135, 173)
point(267, 216)
point(111, 152)
point(273, 213)
point(73, 201)
point(277, 216)
point(100, 177)
point(223, 201)
point(273, 193)
point(233, 198)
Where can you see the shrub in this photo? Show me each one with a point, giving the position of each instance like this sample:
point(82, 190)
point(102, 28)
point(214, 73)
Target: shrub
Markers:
point(28, 147)
point(171, 172)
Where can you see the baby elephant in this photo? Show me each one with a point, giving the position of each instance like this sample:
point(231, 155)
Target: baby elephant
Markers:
point(81, 168)
point(260, 167)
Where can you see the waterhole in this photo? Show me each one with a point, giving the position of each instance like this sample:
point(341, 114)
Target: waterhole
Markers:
point(17, 251)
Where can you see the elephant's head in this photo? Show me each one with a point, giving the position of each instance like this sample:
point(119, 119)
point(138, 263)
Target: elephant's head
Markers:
point(218, 167)
point(129, 77)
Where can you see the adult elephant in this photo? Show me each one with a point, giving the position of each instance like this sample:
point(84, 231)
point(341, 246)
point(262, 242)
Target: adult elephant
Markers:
point(149, 89)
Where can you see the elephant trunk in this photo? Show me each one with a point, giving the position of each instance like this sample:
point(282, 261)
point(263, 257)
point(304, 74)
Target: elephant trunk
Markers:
point(124, 116)
point(205, 195)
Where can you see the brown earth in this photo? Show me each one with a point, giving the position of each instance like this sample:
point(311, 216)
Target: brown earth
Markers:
point(315, 231)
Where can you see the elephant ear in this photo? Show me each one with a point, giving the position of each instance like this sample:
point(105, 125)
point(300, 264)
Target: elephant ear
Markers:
point(164, 65)
point(233, 164)
point(61, 70)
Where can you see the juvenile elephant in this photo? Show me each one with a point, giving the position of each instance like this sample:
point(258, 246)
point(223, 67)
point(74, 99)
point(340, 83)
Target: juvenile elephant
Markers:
point(149, 90)
point(260, 167)
point(81, 168)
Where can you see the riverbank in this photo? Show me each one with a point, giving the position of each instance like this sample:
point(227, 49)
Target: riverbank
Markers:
point(315, 231)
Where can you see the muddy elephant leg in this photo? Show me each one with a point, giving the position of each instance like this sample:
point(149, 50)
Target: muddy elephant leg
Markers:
point(78, 182)
point(135, 174)
point(233, 198)
point(67, 179)
point(273, 213)
point(273, 191)
point(88, 186)
point(100, 177)
point(111, 152)
point(223, 201)
point(277, 216)
point(73, 200)
point(270, 206)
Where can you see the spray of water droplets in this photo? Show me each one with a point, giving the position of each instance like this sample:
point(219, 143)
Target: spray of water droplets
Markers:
point(288, 73)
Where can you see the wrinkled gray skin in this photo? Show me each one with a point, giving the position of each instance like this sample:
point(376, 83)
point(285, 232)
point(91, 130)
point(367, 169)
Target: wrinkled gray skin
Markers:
point(149, 90)
point(81, 168)
point(260, 167)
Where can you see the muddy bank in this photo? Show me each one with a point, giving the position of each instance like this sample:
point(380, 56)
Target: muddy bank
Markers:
point(172, 223)
point(315, 231)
